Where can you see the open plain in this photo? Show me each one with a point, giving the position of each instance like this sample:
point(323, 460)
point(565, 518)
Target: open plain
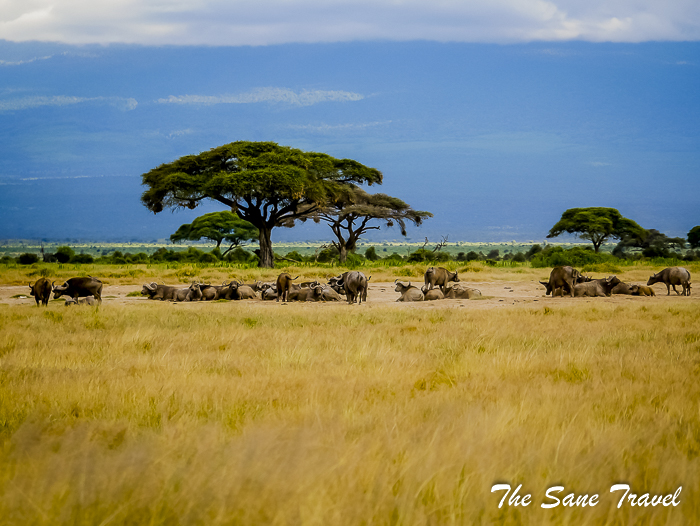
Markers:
point(257, 412)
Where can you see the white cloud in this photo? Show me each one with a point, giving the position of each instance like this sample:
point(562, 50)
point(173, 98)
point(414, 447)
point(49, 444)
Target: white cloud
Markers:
point(27, 103)
point(261, 22)
point(275, 95)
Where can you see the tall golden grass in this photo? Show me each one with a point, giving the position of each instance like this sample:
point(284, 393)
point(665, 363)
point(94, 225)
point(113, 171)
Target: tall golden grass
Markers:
point(232, 413)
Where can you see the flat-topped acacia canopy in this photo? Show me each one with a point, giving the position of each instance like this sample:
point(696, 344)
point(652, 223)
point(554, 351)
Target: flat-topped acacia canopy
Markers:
point(264, 183)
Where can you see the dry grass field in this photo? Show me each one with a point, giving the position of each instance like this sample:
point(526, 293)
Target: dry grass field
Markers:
point(257, 413)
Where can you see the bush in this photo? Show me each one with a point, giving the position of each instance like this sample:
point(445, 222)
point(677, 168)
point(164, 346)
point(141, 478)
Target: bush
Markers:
point(420, 256)
point(208, 257)
point(575, 257)
point(519, 258)
point(238, 255)
point(27, 259)
point(64, 254)
point(82, 258)
point(296, 256)
point(327, 255)
point(371, 254)
point(6, 260)
point(471, 256)
point(534, 249)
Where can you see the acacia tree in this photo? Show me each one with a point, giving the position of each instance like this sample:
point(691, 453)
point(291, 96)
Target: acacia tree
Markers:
point(350, 214)
point(694, 237)
point(217, 227)
point(265, 184)
point(596, 224)
point(654, 244)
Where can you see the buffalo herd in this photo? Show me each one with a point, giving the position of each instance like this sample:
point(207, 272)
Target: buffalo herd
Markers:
point(439, 284)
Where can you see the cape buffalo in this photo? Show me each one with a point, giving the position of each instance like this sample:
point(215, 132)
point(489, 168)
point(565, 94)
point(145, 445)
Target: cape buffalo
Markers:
point(80, 288)
point(596, 287)
point(408, 292)
point(89, 300)
point(625, 288)
point(461, 292)
point(154, 291)
point(672, 276)
point(41, 290)
point(563, 277)
point(354, 285)
point(439, 276)
point(432, 294)
point(284, 282)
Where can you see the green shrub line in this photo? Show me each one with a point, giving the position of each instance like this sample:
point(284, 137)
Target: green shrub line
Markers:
point(536, 257)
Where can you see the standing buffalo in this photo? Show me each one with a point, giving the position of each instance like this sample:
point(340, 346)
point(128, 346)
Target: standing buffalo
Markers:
point(408, 292)
point(284, 284)
point(565, 278)
point(439, 276)
point(353, 283)
point(41, 290)
point(80, 288)
point(672, 276)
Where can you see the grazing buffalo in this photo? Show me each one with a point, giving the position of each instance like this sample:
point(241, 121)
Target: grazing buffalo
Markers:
point(354, 285)
point(672, 276)
point(565, 278)
point(41, 290)
point(432, 294)
point(408, 292)
point(79, 288)
point(643, 290)
point(461, 292)
point(439, 276)
point(154, 291)
point(284, 284)
point(596, 287)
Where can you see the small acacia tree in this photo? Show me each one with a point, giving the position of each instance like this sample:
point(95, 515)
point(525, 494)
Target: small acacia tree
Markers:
point(351, 213)
point(265, 184)
point(217, 227)
point(596, 224)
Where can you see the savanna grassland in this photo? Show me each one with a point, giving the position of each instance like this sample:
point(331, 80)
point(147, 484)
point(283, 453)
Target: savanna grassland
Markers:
point(257, 413)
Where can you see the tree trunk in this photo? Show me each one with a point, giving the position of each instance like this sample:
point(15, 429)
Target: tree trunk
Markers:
point(342, 249)
point(267, 258)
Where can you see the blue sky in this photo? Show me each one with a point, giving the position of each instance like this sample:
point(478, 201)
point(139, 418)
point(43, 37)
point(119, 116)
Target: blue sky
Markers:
point(495, 116)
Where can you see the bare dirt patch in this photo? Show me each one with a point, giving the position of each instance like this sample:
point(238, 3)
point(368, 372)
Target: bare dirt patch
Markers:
point(496, 294)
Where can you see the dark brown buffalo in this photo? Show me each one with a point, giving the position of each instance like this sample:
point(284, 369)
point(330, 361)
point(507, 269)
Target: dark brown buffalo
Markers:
point(154, 291)
point(596, 287)
point(439, 276)
point(565, 278)
point(625, 288)
point(80, 288)
point(353, 284)
point(672, 276)
point(41, 290)
point(284, 284)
